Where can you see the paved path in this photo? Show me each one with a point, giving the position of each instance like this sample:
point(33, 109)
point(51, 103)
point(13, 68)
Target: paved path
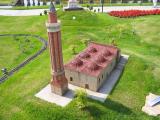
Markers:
point(120, 8)
point(38, 11)
point(5, 7)
point(21, 12)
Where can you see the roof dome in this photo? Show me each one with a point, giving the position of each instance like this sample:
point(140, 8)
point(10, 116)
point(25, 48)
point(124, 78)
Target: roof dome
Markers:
point(84, 55)
point(100, 59)
point(77, 62)
point(92, 49)
point(106, 53)
point(93, 66)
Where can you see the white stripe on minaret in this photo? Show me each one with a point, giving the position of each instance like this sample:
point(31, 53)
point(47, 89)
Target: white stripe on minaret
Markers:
point(53, 27)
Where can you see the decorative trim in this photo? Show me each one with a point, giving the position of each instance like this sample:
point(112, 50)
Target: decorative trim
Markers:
point(53, 27)
point(57, 73)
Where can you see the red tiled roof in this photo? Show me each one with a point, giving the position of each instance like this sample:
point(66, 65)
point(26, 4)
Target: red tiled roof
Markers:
point(93, 59)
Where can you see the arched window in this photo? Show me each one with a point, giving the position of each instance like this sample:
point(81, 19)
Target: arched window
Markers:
point(71, 79)
point(86, 86)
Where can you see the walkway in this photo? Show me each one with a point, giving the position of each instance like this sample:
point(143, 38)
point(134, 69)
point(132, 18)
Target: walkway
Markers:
point(21, 12)
point(120, 8)
point(38, 11)
point(5, 7)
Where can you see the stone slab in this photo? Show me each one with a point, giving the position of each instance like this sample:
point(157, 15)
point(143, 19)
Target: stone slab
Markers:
point(47, 95)
point(101, 95)
point(151, 110)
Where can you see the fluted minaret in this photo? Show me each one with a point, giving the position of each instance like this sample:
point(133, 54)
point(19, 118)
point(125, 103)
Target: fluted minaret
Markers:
point(59, 83)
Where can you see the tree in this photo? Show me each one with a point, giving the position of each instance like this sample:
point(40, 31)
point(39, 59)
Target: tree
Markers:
point(25, 44)
point(85, 41)
point(102, 2)
point(44, 2)
point(73, 49)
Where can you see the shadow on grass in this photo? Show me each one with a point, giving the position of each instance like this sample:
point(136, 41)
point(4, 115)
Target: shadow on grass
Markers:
point(96, 109)
point(117, 107)
point(126, 61)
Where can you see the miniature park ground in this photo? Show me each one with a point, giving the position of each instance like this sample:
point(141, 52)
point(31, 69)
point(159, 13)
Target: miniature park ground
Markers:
point(5, 1)
point(140, 38)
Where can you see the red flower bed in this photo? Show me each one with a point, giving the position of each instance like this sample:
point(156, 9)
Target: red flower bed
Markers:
point(134, 13)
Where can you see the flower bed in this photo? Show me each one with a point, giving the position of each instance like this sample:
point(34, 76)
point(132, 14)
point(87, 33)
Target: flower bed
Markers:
point(134, 13)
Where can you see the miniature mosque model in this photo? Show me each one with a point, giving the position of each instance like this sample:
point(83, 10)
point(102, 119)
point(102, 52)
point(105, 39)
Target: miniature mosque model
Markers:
point(89, 69)
point(72, 5)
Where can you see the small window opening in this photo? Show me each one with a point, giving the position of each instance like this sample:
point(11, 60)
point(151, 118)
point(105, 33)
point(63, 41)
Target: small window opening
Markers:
point(86, 86)
point(71, 79)
point(99, 80)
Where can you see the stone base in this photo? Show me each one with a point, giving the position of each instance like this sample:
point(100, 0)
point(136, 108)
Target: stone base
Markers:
point(101, 95)
point(58, 90)
point(59, 85)
point(47, 95)
point(154, 110)
point(72, 9)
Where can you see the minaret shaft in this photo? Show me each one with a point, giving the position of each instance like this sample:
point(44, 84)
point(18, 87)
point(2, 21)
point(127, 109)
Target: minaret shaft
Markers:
point(59, 83)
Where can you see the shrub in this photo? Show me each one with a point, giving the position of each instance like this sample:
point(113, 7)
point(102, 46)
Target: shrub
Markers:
point(40, 14)
point(98, 10)
point(25, 45)
point(113, 43)
point(45, 12)
point(90, 7)
point(87, 6)
point(73, 49)
point(85, 41)
point(81, 98)
point(15, 38)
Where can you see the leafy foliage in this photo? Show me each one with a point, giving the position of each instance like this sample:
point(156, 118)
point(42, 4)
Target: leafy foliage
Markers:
point(81, 98)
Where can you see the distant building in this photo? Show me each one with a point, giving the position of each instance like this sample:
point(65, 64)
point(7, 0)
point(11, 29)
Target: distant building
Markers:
point(72, 5)
point(108, 1)
point(91, 68)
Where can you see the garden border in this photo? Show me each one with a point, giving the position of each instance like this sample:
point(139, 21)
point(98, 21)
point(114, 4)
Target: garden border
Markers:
point(18, 67)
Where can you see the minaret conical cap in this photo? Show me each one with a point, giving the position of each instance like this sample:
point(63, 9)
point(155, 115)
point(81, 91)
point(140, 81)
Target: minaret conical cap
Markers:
point(52, 8)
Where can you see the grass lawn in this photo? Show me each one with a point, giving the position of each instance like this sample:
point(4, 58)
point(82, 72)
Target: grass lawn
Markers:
point(5, 1)
point(14, 50)
point(140, 38)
